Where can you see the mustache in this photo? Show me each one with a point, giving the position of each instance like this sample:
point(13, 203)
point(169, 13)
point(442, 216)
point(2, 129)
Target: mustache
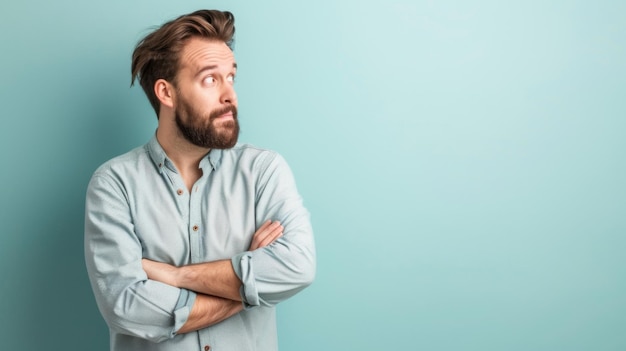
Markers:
point(216, 113)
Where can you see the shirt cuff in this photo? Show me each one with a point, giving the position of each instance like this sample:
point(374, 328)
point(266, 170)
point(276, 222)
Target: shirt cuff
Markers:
point(183, 308)
point(242, 264)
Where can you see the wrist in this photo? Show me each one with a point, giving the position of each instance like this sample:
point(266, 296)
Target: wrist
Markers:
point(182, 276)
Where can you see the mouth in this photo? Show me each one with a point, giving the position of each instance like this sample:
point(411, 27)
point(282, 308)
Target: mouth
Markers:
point(227, 115)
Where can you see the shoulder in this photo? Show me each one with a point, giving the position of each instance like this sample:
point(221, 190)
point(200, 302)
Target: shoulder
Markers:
point(124, 165)
point(253, 161)
point(248, 154)
point(249, 150)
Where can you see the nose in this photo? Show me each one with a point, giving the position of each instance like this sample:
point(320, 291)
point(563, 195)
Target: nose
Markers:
point(229, 96)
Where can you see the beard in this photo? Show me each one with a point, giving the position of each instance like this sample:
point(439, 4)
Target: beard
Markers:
point(201, 130)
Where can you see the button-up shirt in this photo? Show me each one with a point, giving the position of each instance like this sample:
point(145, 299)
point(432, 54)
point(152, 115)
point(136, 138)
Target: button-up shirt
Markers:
point(138, 206)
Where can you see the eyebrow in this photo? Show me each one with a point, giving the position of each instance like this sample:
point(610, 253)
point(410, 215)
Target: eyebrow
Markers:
point(211, 67)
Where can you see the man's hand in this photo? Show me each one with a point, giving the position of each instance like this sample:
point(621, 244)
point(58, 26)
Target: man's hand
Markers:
point(266, 234)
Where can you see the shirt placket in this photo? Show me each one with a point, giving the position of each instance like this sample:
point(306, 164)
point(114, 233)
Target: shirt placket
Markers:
point(182, 198)
point(197, 233)
point(196, 222)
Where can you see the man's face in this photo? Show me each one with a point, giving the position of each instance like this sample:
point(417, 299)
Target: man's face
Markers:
point(206, 103)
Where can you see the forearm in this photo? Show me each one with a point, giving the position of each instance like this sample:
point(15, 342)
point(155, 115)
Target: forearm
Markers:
point(216, 278)
point(209, 310)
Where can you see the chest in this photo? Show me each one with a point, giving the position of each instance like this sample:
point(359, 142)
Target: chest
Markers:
point(213, 220)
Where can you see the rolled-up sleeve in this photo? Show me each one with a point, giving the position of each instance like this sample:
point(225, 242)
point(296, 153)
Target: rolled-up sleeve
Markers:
point(278, 271)
point(129, 302)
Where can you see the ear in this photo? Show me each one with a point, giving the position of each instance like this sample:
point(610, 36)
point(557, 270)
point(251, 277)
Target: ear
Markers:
point(164, 91)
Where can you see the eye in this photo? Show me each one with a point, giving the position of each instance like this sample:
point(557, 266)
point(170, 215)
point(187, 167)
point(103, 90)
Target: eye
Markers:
point(209, 80)
point(231, 78)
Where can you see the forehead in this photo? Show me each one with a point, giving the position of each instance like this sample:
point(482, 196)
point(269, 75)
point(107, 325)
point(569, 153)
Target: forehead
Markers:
point(199, 53)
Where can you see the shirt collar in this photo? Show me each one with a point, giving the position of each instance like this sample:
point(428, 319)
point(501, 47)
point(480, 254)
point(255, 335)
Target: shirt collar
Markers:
point(157, 154)
point(160, 159)
point(214, 157)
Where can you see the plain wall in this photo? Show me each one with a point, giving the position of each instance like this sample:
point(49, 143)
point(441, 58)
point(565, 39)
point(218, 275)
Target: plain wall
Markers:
point(463, 161)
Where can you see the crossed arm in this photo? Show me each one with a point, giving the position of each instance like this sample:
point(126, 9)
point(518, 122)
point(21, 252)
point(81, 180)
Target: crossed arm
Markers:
point(274, 268)
point(216, 284)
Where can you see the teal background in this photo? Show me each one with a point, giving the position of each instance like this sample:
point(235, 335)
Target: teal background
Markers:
point(463, 161)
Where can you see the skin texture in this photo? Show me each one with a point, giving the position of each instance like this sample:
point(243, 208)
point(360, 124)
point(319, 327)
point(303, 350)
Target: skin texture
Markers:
point(204, 84)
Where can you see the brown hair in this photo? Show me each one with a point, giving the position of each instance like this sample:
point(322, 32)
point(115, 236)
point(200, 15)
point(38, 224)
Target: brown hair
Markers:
point(157, 55)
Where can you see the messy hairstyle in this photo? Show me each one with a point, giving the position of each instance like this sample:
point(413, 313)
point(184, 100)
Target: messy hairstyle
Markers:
point(157, 55)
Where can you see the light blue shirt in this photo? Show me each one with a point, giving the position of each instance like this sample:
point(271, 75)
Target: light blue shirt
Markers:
point(138, 206)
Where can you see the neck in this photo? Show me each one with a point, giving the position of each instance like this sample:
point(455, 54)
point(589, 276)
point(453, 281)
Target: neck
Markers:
point(185, 155)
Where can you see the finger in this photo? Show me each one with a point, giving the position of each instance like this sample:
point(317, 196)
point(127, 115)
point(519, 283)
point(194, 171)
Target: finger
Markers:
point(269, 241)
point(260, 235)
point(265, 237)
point(272, 236)
point(259, 232)
point(264, 226)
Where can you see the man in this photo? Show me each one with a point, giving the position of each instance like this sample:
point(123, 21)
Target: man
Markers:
point(192, 239)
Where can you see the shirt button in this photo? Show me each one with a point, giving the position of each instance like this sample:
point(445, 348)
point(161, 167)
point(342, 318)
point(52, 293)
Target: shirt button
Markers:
point(179, 191)
point(207, 347)
point(195, 228)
